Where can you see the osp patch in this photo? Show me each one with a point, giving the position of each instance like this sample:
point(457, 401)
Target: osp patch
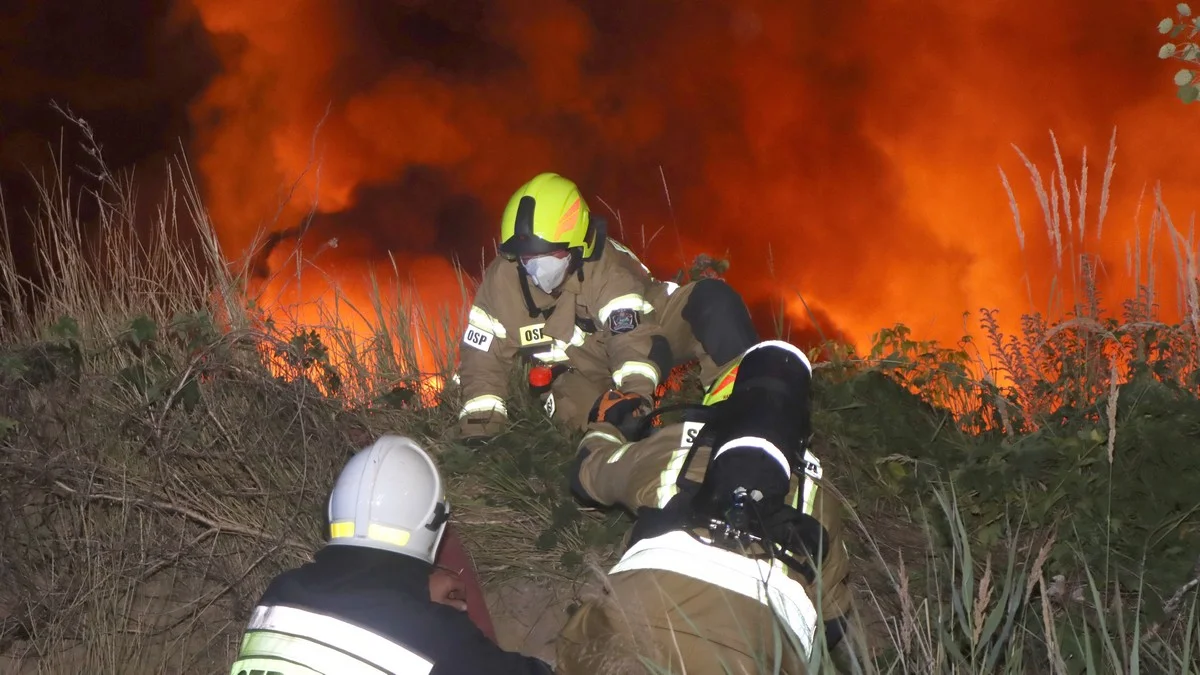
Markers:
point(478, 338)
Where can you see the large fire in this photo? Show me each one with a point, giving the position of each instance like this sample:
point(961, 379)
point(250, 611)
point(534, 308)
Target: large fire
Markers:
point(843, 153)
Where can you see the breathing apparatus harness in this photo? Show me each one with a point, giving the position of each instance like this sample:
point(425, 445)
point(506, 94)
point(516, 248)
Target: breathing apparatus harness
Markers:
point(739, 518)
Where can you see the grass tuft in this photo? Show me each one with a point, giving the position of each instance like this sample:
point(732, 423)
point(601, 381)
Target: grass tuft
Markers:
point(168, 440)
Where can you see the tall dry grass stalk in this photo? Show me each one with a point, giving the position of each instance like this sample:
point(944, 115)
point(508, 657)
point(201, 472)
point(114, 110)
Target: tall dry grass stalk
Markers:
point(158, 471)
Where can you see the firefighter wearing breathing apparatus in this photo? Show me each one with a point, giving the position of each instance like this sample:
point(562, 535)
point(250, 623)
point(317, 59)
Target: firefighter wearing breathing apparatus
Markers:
point(563, 295)
point(735, 564)
point(365, 605)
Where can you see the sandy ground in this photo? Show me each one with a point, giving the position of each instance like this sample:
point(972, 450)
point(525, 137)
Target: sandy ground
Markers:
point(529, 615)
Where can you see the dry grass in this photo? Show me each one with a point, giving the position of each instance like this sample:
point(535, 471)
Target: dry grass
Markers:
point(165, 452)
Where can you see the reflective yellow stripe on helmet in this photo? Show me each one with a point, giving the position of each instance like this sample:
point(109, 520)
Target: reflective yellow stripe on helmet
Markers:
point(547, 213)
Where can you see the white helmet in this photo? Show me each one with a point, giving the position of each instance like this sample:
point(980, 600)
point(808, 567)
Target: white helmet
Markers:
point(389, 496)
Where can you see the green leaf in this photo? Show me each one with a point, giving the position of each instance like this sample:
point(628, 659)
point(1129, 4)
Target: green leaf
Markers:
point(1183, 9)
point(12, 365)
point(66, 328)
point(135, 376)
point(1183, 77)
point(189, 395)
point(571, 559)
point(1188, 93)
point(1165, 26)
point(7, 424)
point(546, 541)
point(1166, 51)
point(143, 329)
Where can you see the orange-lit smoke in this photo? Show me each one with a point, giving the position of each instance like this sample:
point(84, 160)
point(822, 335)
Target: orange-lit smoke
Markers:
point(844, 151)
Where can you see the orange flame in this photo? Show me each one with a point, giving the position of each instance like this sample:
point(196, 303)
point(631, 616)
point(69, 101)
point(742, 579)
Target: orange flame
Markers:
point(842, 156)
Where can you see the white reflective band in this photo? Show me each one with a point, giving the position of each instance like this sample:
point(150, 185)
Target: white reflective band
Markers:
point(326, 630)
point(633, 301)
point(670, 476)
point(485, 403)
point(782, 345)
point(812, 473)
point(623, 249)
point(671, 287)
point(558, 348)
point(761, 580)
point(620, 452)
point(482, 319)
point(270, 652)
point(579, 337)
point(269, 665)
point(555, 355)
point(635, 368)
point(761, 444)
point(599, 434)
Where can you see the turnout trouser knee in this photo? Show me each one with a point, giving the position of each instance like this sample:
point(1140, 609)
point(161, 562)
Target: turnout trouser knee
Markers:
point(708, 320)
point(571, 398)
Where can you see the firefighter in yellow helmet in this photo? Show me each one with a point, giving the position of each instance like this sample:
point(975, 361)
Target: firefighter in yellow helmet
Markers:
point(736, 563)
point(600, 331)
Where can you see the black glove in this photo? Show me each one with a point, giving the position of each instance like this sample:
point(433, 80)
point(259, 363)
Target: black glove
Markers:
point(623, 411)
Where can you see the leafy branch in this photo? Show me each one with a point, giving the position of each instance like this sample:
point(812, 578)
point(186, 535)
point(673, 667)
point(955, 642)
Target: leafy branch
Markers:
point(1187, 51)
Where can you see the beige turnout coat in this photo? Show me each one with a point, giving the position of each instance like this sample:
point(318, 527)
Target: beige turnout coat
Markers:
point(686, 606)
point(575, 330)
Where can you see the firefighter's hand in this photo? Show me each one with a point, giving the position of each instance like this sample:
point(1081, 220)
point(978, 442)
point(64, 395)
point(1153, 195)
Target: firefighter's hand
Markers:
point(447, 588)
point(619, 409)
point(474, 429)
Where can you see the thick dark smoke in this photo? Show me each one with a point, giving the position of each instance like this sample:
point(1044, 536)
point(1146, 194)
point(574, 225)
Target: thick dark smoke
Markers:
point(128, 68)
point(845, 151)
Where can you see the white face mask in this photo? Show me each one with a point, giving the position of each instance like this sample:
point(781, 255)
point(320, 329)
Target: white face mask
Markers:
point(548, 272)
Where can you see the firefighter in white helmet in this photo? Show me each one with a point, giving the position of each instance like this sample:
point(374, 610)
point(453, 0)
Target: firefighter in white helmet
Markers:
point(365, 604)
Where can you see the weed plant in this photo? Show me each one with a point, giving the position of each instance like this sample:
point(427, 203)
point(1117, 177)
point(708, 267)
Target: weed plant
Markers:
point(1028, 504)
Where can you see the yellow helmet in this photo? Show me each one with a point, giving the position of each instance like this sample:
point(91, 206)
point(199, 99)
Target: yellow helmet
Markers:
point(547, 214)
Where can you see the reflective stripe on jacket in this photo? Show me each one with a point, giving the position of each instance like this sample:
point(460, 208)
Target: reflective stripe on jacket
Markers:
point(765, 581)
point(292, 641)
point(644, 475)
point(584, 317)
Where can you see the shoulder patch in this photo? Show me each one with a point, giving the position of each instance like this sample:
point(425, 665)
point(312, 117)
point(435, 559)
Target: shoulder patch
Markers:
point(549, 406)
point(533, 335)
point(812, 466)
point(478, 338)
point(623, 321)
point(690, 431)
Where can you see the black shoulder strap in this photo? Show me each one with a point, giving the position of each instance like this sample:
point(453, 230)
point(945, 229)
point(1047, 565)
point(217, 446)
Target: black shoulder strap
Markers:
point(530, 305)
point(643, 428)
